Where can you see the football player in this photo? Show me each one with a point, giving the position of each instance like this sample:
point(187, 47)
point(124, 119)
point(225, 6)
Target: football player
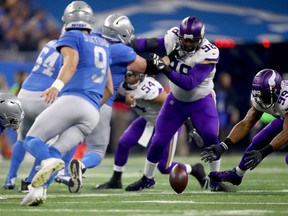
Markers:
point(118, 30)
point(43, 74)
point(269, 95)
point(190, 66)
point(83, 78)
point(145, 95)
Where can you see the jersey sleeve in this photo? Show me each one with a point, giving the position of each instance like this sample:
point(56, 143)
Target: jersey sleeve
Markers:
point(124, 53)
point(283, 98)
point(68, 39)
point(171, 39)
point(209, 53)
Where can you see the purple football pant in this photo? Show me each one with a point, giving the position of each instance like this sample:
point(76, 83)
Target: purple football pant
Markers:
point(263, 138)
point(174, 113)
point(130, 138)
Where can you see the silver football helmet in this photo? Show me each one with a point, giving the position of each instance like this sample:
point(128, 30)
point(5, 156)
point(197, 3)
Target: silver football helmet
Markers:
point(78, 15)
point(11, 111)
point(118, 28)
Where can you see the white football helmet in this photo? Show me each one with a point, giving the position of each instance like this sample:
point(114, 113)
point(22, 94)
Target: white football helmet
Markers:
point(11, 111)
point(78, 15)
point(118, 28)
point(133, 79)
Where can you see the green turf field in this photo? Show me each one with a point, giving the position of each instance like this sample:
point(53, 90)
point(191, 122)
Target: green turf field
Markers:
point(264, 191)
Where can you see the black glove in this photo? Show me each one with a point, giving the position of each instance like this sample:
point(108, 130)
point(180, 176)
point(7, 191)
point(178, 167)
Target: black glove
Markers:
point(174, 54)
point(253, 159)
point(194, 136)
point(212, 153)
point(159, 63)
point(151, 68)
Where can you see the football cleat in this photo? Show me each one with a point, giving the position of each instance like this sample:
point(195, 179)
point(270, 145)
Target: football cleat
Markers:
point(35, 197)
point(110, 185)
point(75, 182)
point(48, 168)
point(9, 183)
point(221, 187)
point(141, 184)
point(62, 179)
point(198, 172)
point(226, 176)
point(24, 188)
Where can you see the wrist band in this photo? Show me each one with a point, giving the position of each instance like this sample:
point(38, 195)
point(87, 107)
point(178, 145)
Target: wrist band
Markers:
point(58, 84)
point(266, 150)
point(225, 147)
point(227, 143)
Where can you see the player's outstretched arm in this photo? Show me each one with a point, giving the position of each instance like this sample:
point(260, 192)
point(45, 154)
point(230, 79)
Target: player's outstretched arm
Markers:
point(254, 157)
point(238, 132)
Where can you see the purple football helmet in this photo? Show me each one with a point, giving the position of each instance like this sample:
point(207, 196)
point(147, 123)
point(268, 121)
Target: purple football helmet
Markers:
point(266, 87)
point(192, 31)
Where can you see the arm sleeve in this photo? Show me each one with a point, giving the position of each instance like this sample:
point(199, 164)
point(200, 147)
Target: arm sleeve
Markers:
point(193, 78)
point(121, 94)
point(120, 98)
point(148, 44)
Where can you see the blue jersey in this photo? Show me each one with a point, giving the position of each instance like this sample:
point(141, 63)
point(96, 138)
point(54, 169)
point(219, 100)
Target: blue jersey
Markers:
point(90, 78)
point(45, 70)
point(121, 56)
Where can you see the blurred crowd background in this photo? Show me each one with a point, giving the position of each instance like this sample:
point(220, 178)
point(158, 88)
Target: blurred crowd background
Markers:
point(251, 35)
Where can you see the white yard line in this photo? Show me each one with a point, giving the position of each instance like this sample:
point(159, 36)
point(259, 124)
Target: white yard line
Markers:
point(136, 212)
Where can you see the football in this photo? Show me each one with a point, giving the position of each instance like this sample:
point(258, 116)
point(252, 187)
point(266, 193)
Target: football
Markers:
point(178, 178)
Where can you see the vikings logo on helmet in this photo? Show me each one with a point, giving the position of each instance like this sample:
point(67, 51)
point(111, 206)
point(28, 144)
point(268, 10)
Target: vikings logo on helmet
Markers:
point(266, 87)
point(191, 34)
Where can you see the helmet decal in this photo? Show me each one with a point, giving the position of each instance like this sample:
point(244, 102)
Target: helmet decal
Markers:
point(266, 87)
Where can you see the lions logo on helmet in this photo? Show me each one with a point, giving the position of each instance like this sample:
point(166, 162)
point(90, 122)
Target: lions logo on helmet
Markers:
point(11, 111)
point(118, 28)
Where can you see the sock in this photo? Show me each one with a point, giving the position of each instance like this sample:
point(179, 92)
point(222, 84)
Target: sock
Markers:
point(55, 153)
point(118, 168)
point(37, 148)
point(35, 168)
point(189, 168)
point(91, 159)
point(240, 172)
point(18, 154)
point(215, 166)
point(149, 169)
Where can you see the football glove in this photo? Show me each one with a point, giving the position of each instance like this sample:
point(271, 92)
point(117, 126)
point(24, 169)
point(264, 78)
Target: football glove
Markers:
point(174, 54)
point(159, 63)
point(193, 136)
point(253, 159)
point(212, 153)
